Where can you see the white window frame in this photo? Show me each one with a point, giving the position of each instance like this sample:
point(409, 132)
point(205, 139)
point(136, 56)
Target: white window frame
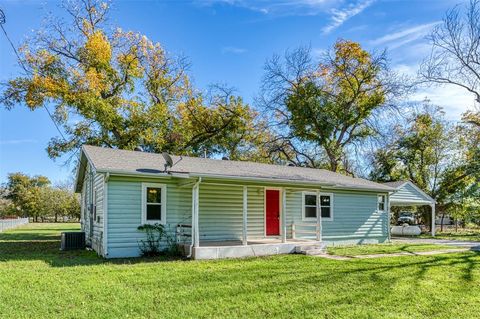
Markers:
point(384, 203)
point(163, 187)
point(308, 219)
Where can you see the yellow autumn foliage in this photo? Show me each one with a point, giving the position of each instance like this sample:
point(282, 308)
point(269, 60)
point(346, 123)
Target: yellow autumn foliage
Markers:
point(98, 48)
point(95, 80)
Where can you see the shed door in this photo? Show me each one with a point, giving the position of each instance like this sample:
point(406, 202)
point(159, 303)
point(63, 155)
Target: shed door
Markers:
point(272, 212)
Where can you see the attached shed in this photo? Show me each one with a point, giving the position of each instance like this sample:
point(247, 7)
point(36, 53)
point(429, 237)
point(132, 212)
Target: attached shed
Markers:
point(408, 194)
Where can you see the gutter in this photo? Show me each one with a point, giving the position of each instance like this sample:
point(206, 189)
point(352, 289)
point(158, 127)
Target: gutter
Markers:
point(288, 181)
point(130, 174)
point(384, 189)
point(194, 216)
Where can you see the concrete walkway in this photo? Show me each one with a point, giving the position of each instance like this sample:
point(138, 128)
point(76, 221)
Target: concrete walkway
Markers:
point(473, 245)
point(420, 253)
point(457, 247)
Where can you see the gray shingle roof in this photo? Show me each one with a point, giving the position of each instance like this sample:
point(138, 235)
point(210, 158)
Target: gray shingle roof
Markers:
point(396, 184)
point(134, 162)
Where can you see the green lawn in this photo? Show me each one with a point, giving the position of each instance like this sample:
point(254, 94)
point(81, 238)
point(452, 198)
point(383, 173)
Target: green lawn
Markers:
point(384, 249)
point(39, 281)
point(467, 234)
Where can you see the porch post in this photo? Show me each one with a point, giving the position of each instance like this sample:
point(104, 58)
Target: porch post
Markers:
point(433, 219)
point(196, 232)
point(388, 217)
point(245, 208)
point(318, 228)
point(283, 215)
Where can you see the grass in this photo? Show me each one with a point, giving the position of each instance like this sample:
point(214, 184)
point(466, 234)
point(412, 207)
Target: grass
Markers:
point(461, 234)
point(384, 249)
point(39, 281)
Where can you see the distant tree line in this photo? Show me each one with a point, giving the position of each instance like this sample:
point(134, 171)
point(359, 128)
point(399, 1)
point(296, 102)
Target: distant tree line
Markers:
point(36, 198)
point(345, 111)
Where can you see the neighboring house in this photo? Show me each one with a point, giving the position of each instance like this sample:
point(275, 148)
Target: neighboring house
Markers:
point(230, 208)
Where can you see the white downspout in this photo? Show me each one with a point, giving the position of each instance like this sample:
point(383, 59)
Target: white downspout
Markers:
point(318, 228)
point(389, 216)
point(194, 232)
point(433, 219)
point(244, 217)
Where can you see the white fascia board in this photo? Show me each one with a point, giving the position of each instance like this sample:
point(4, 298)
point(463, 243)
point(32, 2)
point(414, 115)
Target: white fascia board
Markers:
point(275, 180)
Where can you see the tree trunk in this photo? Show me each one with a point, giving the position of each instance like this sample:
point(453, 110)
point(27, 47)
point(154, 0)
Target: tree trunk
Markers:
point(441, 221)
point(56, 217)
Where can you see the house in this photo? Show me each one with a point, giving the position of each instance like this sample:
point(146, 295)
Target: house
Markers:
point(223, 208)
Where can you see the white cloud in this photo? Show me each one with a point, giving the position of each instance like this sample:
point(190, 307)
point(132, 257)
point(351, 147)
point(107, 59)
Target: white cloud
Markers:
point(233, 50)
point(405, 36)
point(278, 7)
point(318, 52)
point(339, 16)
point(454, 100)
point(19, 141)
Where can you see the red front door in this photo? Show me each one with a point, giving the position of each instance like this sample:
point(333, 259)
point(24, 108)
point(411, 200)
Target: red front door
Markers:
point(272, 212)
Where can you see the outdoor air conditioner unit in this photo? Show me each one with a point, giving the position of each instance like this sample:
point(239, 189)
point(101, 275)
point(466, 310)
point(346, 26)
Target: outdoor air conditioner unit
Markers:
point(73, 240)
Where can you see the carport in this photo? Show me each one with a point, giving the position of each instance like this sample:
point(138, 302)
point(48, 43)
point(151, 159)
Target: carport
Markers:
point(408, 194)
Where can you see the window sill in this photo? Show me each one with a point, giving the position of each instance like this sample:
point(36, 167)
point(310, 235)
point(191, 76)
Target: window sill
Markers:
point(315, 220)
point(153, 222)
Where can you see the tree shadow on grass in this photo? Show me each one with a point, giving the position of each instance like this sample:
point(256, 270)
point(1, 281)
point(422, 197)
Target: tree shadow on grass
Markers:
point(353, 284)
point(48, 250)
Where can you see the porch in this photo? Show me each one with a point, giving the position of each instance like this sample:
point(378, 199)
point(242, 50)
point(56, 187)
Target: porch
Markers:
point(233, 221)
point(253, 248)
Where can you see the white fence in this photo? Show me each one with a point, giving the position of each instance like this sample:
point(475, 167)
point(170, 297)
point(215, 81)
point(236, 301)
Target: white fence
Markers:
point(12, 223)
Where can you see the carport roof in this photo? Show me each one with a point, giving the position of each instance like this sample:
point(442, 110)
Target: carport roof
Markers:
point(408, 194)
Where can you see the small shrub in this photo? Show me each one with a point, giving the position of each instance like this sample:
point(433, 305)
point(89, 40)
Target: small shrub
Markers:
point(152, 245)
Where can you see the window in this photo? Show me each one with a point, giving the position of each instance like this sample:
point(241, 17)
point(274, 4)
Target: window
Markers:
point(381, 203)
point(154, 203)
point(326, 205)
point(309, 206)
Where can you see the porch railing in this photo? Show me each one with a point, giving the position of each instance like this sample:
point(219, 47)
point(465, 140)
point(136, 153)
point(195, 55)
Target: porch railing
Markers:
point(184, 231)
point(305, 229)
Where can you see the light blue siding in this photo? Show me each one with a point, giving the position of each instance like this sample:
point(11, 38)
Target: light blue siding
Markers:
point(92, 223)
point(125, 212)
point(355, 219)
point(408, 194)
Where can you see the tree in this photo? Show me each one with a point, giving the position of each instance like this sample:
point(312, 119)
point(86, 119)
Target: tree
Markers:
point(58, 202)
point(321, 109)
point(433, 154)
point(24, 192)
point(455, 59)
point(119, 89)
point(33, 196)
point(455, 54)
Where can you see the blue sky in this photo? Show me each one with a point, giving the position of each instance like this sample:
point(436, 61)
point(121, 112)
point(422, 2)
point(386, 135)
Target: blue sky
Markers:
point(228, 42)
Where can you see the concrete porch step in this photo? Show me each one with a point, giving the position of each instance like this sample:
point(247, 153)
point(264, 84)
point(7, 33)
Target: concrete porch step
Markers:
point(312, 249)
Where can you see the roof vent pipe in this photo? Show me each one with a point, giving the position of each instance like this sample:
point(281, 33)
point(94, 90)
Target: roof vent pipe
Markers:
point(225, 158)
point(138, 149)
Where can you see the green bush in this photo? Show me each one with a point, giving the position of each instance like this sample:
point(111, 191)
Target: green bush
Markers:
point(155, 235)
